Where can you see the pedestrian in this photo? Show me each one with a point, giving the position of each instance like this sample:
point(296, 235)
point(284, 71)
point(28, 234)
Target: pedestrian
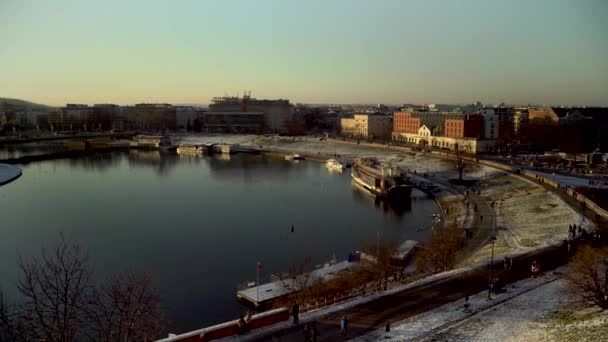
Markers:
point(506, 264)
point(480, 218)
point(295, 313)
point(535, 268)
point(344, 326)
point(307, 334)
point(241, 326)
point(580, 230)
point(314, 331)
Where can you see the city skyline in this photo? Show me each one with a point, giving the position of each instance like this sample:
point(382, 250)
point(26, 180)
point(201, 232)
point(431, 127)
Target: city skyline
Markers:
point(546, 52)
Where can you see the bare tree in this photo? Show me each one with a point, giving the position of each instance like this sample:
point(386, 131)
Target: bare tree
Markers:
point(298, 279)
point(54, 288)
point(380, 255)
point(60, 302)
point(461, 159)
point(126, 308)
point(14, 326)
point(440, 252)
point(588, 276)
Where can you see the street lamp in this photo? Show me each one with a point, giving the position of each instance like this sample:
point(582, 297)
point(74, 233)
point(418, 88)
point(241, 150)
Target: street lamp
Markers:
point(490, 284)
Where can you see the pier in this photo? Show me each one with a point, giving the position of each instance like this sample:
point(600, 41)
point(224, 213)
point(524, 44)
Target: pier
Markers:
point(265, 296)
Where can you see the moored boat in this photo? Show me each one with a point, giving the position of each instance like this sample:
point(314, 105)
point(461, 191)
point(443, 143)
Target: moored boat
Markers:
point(379, 180)
point(335, 165)
point(190, 149)
point(293, 157)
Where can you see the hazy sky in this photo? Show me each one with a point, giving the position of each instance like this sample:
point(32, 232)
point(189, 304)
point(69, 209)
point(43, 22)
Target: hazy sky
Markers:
point(321, 51)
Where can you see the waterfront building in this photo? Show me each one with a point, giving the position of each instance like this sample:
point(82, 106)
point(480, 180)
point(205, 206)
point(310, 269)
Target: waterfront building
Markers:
point(403, 122)
point(185, 114)
point(277, 113)
point(234, 122)
point(367, 126)
point(151, 116)
point(77, 117)
point(105, 115)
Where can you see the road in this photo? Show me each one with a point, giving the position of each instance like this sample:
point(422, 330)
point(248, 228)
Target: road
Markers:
point(396, 307)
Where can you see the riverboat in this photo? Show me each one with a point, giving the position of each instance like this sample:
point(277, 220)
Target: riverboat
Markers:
point(380, 181)
point(293, 157)
point(190, 150)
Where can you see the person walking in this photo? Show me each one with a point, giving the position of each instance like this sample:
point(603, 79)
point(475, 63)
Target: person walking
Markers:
point(344, 326)
point(307, 333)
point(241, 326)
point(314, 331)
point(295, 313)
point(535, 269)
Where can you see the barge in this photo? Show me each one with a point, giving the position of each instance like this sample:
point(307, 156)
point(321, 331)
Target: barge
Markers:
point(379, 180)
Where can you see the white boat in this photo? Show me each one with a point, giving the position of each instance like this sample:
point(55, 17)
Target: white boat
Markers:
point(335, 165)
point(293, 157)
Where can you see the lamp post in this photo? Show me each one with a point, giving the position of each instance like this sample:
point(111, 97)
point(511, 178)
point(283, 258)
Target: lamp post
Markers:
point(490, 284)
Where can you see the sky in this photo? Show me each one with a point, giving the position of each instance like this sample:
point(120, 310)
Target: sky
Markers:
point(313, 51)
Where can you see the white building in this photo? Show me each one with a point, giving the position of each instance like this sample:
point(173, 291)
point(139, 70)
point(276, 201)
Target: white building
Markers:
point(491, 123)
point(425, 137)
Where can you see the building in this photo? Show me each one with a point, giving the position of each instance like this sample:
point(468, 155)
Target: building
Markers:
point(520, 119)
point(424, 137)
point(373, 126)
point(151, 116)
point(185, 114)
point(585, 127)
point(77, 117)
point(234, 122)
point(468, 126)
point(105, 115)
point(446, 130)
point(491, 124)
point(276, 112)
point(403, 122)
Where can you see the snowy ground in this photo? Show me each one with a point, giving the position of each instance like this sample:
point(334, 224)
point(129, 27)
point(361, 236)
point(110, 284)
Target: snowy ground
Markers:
point(528, 214)
point(533, 310)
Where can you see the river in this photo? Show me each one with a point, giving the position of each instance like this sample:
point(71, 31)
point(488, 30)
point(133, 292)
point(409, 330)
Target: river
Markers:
point(197, 225)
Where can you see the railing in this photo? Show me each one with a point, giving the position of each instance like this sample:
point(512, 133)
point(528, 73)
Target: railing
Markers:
point(358, 292)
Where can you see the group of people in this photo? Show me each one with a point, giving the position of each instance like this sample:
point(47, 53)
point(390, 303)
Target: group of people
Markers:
point(572, 231)
point(311, 332)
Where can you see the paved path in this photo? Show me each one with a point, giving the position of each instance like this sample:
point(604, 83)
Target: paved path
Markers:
point(399, 306)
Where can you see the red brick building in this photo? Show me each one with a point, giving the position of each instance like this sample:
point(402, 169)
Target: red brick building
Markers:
point(403, 122)
point(470, 126)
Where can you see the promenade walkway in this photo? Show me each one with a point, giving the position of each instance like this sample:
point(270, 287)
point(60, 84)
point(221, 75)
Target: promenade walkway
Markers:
point(398, 306)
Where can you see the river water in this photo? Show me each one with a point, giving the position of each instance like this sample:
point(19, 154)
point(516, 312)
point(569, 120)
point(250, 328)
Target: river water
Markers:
point(197, 225)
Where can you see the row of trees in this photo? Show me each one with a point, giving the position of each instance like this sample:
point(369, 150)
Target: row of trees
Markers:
point(60, 302)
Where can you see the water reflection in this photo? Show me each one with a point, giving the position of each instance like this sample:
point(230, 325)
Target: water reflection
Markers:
point(392, 209)
point(160, 162)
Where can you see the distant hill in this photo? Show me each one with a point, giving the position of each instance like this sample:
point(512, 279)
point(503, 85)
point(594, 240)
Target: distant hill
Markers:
point(19, 105)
